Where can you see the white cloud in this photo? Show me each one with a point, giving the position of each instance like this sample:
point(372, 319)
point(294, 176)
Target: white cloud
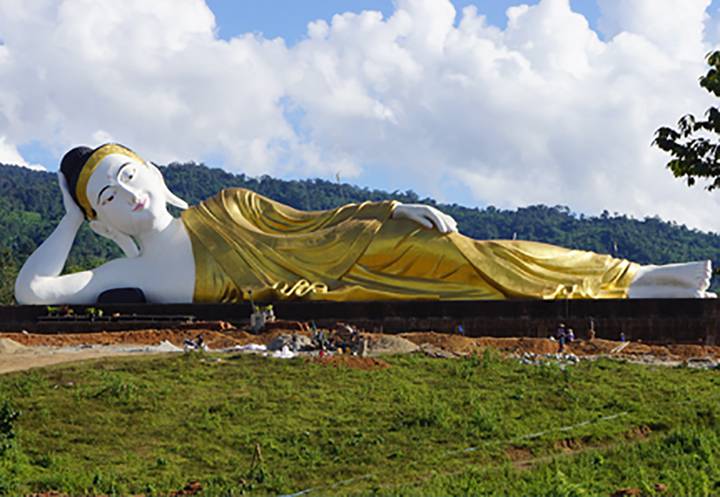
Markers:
point(428, 98)
point(10, 156)
point(675, 26)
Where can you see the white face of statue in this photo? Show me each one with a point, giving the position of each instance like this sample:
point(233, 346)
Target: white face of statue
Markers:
point(128, 195)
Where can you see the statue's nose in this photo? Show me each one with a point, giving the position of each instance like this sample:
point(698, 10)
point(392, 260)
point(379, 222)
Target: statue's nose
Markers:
point(134, 195)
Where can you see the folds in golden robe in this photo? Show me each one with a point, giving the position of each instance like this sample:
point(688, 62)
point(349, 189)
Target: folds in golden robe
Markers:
point(244, 242)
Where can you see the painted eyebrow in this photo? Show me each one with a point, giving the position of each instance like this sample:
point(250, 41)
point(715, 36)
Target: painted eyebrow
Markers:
point(108, 186)
point(101, 192)
point(121, 168)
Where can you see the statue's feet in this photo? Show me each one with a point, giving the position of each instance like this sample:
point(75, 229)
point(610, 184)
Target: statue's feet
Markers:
point(667, 292)
point(694, 276)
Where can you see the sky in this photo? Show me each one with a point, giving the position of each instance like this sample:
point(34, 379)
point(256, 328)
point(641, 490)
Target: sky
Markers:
point(288, 19)
point(484, 102)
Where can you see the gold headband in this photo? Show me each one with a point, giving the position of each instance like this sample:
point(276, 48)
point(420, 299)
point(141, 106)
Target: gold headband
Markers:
point(89, 168)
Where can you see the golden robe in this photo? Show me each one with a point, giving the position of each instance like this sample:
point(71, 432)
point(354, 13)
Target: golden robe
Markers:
point(245, 242)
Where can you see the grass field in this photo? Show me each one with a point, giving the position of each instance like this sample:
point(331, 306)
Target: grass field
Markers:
point(151, 424)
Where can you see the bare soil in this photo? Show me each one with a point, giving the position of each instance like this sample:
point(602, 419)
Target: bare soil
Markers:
point(19, 351)
point(214, 339)
point(462, 345)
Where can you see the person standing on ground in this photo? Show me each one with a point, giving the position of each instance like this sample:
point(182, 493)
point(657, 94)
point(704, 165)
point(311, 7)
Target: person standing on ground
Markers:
point(561, 336)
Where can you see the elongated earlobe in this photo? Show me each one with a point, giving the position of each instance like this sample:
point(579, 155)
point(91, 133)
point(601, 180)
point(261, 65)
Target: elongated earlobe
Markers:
point(170, 197)
point(173, 199)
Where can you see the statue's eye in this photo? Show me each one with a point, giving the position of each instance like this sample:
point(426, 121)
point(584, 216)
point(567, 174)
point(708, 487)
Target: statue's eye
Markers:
point(108, 199)
point(128, 174)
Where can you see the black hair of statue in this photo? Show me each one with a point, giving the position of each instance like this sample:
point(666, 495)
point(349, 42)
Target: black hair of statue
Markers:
point(71, 165)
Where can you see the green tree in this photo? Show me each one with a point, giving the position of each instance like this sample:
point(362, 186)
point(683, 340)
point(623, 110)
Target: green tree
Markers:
point(695, 144)
point(8, 273)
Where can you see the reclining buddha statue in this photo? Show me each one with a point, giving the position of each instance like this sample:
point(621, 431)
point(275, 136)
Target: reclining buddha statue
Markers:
point(239, 244)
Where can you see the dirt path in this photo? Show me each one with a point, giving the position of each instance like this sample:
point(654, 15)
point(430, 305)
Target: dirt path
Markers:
point(22, 361)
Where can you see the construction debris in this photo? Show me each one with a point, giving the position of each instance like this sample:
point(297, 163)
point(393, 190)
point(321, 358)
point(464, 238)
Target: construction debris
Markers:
point(431, 350)
point(22, 350)
point(294, 343)
point(559, 358)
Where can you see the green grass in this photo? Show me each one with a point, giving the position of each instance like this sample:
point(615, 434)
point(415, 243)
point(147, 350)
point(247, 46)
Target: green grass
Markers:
point(151, 424)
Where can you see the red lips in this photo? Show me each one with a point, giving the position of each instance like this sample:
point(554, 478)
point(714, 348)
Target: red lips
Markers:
point(140, 205)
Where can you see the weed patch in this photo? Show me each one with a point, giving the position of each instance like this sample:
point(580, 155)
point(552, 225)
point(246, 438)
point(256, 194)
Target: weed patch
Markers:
point(255, 426)
point(8, 417)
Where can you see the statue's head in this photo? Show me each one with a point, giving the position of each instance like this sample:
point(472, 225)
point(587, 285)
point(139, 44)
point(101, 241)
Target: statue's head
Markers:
point(116, 188)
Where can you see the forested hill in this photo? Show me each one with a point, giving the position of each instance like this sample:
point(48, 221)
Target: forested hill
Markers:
point(31, 205)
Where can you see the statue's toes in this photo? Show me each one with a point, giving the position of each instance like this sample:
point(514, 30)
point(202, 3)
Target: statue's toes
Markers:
point(705, 275)
point(710, 295)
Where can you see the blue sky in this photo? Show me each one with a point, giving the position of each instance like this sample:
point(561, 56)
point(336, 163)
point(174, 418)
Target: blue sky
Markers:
point(288, 18)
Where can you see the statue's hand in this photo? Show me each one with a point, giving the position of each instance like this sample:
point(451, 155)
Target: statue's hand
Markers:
point(72, 210)
point(125, 242)
point(427, 216)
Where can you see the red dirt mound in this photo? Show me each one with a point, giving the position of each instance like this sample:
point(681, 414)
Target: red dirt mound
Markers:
point(454, 343)
point(672, 351)
point(214, 339)
point(464, 345)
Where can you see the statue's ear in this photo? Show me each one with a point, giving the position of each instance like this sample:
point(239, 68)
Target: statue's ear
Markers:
point(170, 197)
point(125, 242)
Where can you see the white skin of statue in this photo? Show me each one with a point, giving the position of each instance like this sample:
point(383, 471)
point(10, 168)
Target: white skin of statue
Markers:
point(130, 199)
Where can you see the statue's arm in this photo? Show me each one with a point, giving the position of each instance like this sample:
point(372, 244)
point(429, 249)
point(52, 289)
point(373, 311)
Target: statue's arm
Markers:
point(39, 280)
point(46, 262)
point(82, 287)
point(271, 216)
